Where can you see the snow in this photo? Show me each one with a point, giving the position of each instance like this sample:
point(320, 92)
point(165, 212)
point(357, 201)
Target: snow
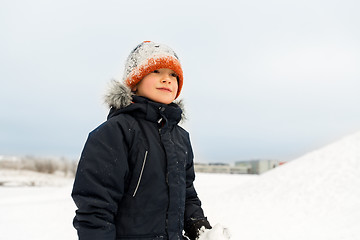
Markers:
point(314, 197)
point(11, 177)
point(218, 232)
point(36, 213)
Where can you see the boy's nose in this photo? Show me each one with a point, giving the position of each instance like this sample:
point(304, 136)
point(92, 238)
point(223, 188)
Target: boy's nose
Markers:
point(165, 79)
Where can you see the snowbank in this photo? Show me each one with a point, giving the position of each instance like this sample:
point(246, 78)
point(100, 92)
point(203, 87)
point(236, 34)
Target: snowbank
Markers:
point(314, 197)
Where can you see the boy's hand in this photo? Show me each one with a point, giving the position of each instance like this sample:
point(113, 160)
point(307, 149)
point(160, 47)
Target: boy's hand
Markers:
point(194, 227)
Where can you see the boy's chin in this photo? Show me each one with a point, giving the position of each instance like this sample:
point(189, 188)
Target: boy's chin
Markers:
point(163, 100)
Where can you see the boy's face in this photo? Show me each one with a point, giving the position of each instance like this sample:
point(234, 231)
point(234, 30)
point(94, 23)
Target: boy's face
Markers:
point(160, 86)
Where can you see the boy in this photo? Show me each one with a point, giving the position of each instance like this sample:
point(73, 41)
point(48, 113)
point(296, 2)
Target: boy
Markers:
point(135, 176)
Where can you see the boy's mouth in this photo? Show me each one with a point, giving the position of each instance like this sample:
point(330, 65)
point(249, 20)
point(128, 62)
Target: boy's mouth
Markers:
point(164, 89)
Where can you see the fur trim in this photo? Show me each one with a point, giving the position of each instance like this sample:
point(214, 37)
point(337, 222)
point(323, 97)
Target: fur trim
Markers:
point(118, 95)
point(181, 105)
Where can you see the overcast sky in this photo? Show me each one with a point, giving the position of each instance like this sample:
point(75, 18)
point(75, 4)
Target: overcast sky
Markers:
point(262, 79)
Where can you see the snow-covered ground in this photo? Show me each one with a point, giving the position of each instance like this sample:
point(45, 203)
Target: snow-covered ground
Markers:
point(315, 197)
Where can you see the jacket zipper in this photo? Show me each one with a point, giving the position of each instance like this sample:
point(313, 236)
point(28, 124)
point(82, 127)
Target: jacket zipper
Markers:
point(141, 173)
point(167, 183)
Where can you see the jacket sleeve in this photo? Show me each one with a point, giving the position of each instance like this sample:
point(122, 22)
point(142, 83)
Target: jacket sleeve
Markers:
point(99, 183)
point(194, 214)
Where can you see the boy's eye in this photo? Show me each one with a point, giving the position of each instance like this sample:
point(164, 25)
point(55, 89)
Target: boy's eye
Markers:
point(156, 71)
point(174, 75)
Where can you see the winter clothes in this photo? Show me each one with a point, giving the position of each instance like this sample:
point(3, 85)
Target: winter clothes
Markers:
point(147, 57)
point(136, 172)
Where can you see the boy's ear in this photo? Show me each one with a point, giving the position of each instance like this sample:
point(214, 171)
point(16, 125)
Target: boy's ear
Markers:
point(134, 89)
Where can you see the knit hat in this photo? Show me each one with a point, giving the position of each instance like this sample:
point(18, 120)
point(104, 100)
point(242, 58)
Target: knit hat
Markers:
point(148, 57)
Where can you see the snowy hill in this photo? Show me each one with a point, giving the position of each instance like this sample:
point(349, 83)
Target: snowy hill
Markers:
point(316, 196)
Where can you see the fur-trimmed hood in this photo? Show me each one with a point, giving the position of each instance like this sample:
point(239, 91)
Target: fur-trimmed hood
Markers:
point(120, 96)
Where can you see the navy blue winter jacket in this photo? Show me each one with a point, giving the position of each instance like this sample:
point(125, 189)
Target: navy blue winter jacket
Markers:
point(135, 176)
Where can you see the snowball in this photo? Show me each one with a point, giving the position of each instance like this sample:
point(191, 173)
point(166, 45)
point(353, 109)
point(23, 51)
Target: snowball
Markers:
point(218, 232)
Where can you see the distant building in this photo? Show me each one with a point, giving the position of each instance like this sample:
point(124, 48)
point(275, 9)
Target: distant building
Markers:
point(257, 166)
point(221, 168)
